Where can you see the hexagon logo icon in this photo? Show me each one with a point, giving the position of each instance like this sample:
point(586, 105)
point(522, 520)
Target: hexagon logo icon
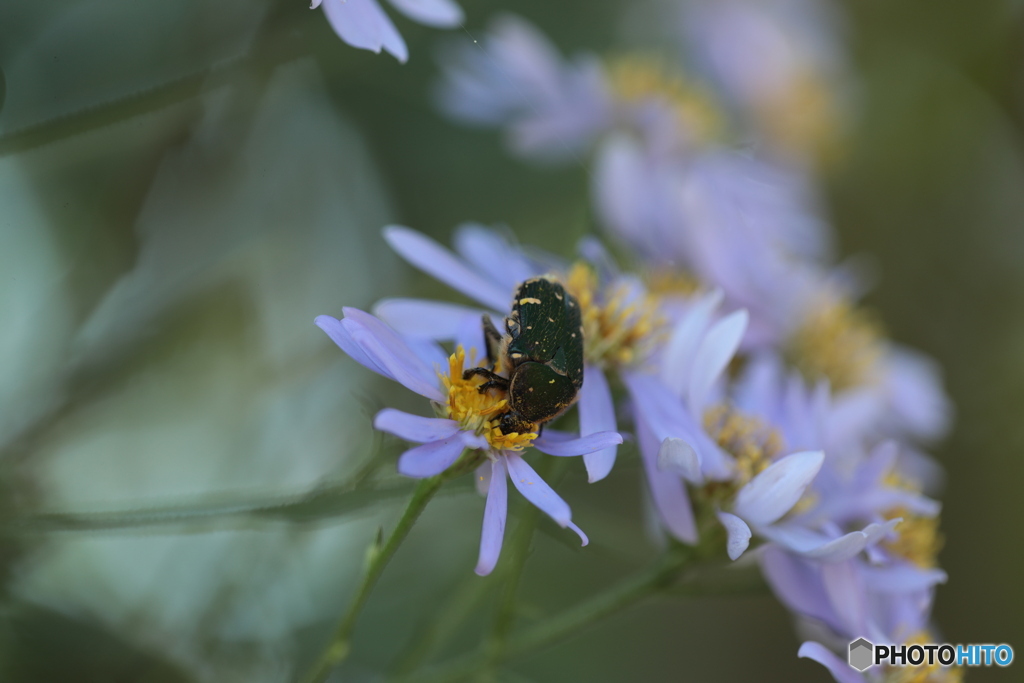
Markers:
point(862, 653)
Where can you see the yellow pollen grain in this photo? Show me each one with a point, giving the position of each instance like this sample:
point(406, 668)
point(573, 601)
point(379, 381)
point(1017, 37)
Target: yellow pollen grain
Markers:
point(752, 443)
point(838, 342)
point(637, 78)
point(475, 411)
point(919, 539)
point(615, 333)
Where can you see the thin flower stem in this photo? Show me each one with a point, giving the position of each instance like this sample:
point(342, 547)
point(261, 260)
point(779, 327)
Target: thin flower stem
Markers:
point(378, 559)
point(654, 579)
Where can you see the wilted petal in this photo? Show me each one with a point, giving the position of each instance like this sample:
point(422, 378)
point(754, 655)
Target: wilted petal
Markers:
point(535, 490)
point(424, 318)
point(431, 458)
point(773, 492)
point(581, 446)
point(414, 427)
point(678, 457)
point(437, 13)
point(597, 414)
point(840, 670)
point(713, 356)
point(739, 534)
point(667, 489)
point(388, 350)
point(435, 260)
point(495, 512)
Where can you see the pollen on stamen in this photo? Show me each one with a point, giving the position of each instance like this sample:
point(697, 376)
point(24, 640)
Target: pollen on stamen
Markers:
point(475, 411)
point(919, 539)
point(619, 328)
point(753, 444)
point(837, 341)
point(636, 78)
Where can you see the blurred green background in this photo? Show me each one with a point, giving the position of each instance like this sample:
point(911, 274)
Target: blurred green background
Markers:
point(185, 185)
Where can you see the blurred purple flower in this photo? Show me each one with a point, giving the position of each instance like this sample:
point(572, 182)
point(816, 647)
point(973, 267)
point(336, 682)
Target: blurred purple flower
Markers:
point(465, 422)
point(363, 24)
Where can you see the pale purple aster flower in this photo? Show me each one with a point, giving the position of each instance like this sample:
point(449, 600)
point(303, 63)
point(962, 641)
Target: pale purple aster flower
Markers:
point(487, 267)
point(464, 423)
point(556, 109)
point(363, 24)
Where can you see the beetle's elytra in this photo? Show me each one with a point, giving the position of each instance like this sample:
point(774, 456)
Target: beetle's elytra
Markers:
point(542, 351)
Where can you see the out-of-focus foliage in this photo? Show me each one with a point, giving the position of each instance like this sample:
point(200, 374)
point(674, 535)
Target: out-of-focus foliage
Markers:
point(185, 185)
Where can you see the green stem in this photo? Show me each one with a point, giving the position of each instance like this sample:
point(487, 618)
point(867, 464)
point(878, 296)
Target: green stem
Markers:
point(378, 559)
point(656, 578)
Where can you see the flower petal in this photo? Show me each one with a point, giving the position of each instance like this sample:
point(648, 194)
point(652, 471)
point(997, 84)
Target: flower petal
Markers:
point(340, 336)
point(414, 427)
point(840, 670)
point(483, 478)
point(677, 456)
point(667, 489)
point(535, 490)
point(713, 356)
point(495, 512)
point(363, 24)
point(597, 414)
point(435, 320)
point(681, 349)
point(431, 458)
point(502, 258)
point(739, 534)
point(773, 492)
point(581, 446)
point(902, 578)
point(433, 259)
point(437, 13)
point(579, 532)
point(388, 350)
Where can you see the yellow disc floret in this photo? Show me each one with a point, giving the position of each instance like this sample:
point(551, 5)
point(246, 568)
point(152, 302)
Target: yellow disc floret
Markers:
point(919, 539)
point(838, 342)
point(638, 78)
point(475, 411)
point(924, 673)
point(619, 327)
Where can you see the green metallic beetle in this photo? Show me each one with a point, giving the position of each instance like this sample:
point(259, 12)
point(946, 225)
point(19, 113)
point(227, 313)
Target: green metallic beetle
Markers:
point(542, 351)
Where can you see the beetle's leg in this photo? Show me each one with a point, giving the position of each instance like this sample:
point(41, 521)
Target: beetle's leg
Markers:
point(492, 341)
point(494, 381)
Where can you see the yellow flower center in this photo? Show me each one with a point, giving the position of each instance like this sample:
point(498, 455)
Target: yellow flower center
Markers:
point(672, 282)
point(924, 673)
point(804, 119)
point(919, 540)
point(618, 327)
point(750, 441)
point(838, 342)
point(475, 411)
point(637, 78)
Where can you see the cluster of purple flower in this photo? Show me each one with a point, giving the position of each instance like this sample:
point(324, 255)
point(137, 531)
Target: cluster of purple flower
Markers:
point(766, 402)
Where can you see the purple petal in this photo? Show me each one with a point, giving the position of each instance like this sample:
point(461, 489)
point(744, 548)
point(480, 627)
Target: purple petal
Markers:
point(388, 350)
point(678, 457)
point(581, 446)
point(504, 261)
point(431, 458)
point(413, 427)
point(363, 24)
point(437, 13)
point(902, 578)
point(483, 478)
point(495, 511)
point(579, 532)
point(773, 492)
point(340, 336)
point(845, 587)
point(535, 490)
point(840, 670)
point(820, 547)
point(597, 414)
point(713, 356)
point(797, 583)
point(433, 259)
point(667, 489)
point(686, 337)
point(427, 319)
point(739, 534)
